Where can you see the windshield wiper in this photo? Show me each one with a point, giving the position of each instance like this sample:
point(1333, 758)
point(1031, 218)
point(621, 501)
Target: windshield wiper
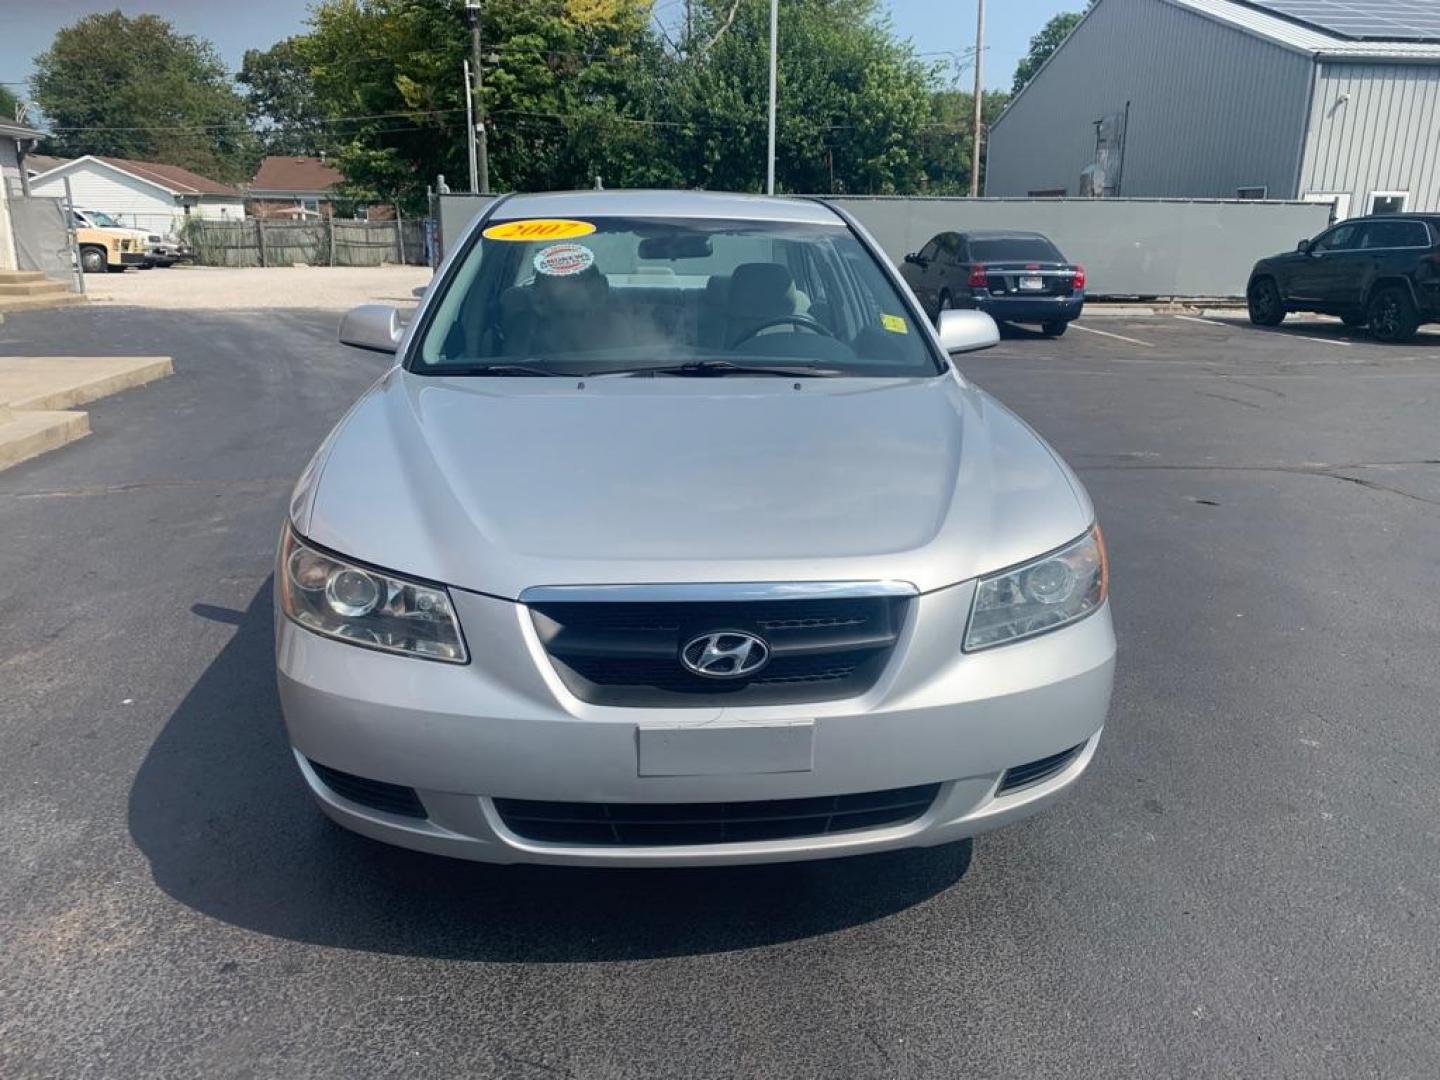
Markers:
point(498, 369)
point(714, 368)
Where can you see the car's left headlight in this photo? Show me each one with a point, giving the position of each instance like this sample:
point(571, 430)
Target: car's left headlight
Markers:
point(1041, 595)
point(364, 606)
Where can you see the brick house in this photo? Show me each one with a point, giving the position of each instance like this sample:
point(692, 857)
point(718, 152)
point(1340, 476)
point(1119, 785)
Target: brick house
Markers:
point(293, 188)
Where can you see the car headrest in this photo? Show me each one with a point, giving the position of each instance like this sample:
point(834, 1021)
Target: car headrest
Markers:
point(587, 289)
point(762, 290)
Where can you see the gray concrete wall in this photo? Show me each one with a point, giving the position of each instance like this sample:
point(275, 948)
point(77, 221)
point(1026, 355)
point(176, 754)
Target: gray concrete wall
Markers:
point(1212, 108)
point(1375, 127)
point(1129, 247)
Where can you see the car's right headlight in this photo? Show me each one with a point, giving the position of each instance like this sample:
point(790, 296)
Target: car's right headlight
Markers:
point(1041, 595)
point(363, 606)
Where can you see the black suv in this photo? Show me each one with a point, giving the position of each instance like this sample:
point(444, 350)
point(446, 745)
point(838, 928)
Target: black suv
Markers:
point(1382, 272)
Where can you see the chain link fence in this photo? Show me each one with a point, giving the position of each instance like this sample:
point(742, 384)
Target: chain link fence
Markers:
point(326, 242)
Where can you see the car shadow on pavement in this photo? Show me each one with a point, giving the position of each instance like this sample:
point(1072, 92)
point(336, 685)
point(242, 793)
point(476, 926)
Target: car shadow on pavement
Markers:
point(219, 809)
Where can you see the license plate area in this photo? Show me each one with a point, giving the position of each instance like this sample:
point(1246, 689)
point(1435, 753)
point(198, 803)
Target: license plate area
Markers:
point(726, 750)
point(1032, 284)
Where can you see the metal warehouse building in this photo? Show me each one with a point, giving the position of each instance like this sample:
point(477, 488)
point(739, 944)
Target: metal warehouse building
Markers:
point(1332, 101)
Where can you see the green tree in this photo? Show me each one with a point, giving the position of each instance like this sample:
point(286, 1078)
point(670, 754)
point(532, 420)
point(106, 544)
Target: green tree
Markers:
point(856, 106)
point(1042, 45)
point(9, 103)
point(949, 141)
point(280, 100)
point(110, 84)
point(562, 81)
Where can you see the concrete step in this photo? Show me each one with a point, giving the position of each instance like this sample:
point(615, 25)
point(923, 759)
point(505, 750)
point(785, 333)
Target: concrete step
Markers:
point(17, 277)
point(61, 382)
point(31, 288)
point(31, 303)
point(29, 434)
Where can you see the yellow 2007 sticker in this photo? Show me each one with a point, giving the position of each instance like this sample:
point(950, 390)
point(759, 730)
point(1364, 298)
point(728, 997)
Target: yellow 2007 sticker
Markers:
point(894, 323)
point(539, 229)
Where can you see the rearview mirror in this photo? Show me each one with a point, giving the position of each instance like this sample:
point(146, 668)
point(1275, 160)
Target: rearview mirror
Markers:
point(966, 331)
point(673, 246)
point(375, 327)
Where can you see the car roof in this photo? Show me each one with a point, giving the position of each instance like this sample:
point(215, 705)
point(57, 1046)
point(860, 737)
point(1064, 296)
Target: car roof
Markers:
point(668, 204)
point(1003, 234)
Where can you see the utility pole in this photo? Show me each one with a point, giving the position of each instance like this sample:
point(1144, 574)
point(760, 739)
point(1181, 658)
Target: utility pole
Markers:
point(470, 132)
point(770, 149)
point(472, 11)
point(979, 95)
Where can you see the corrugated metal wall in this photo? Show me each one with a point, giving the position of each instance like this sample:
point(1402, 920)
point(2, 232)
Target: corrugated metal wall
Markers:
point(1385, 136)
point(1212, 108)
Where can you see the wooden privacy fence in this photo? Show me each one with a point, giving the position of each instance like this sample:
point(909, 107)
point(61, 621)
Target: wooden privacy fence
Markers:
point(323, 242)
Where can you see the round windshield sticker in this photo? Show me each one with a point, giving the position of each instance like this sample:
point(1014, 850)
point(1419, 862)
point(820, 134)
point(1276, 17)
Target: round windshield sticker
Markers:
point(563, 260)
point(539, 229)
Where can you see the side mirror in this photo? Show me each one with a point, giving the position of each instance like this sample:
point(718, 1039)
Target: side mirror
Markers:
point(967, 331)
point(419, 291)
point(1303, 247)
point(914, 259)
point(375, 327)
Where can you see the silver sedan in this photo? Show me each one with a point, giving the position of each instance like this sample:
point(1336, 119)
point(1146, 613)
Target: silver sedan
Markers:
point(676, 538)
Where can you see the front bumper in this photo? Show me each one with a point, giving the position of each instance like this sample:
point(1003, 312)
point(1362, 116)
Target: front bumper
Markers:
point(134, 258)
point(1028, 308)
point(504, 726)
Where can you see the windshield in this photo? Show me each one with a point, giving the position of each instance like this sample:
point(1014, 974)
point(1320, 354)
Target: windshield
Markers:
point(629, 294)
point(1014, 249)
point(105, 221)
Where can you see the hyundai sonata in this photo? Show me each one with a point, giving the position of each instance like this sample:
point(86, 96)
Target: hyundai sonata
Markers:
point(675, 537)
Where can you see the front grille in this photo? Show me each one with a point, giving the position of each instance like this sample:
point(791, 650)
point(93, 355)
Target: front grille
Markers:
point(623, 653)
point(1034, 771)
point(658, 824)
point(376, 794)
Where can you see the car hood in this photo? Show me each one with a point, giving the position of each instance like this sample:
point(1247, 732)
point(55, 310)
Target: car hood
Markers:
point(499, 484)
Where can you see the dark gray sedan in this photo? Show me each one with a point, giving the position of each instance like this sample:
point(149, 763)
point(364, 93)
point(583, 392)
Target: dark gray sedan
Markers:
point(1013, 276)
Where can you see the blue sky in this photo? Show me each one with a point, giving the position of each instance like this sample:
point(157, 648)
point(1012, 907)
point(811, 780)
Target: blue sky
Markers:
point(937, 26)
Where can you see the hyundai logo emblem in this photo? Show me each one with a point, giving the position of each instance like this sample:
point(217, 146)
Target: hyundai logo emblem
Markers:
point(725, 654)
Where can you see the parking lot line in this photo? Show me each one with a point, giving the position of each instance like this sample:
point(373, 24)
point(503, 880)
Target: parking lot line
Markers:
point(1307, 337)
point(1117, 337)
point(1207, 322)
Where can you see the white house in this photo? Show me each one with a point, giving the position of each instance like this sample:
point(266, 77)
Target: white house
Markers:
point(141, 194)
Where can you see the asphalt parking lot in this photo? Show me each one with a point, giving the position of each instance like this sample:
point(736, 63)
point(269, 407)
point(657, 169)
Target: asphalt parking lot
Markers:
point(1246, 884)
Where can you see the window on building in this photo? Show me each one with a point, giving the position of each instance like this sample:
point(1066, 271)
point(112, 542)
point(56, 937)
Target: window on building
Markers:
point(1389, 202)
point(312, 205)
point(1254, 193)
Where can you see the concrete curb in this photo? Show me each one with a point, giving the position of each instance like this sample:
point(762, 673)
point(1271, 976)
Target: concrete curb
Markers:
point(37, 395)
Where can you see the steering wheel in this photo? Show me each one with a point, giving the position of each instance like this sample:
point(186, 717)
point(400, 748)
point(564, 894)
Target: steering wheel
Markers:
point(804, 321)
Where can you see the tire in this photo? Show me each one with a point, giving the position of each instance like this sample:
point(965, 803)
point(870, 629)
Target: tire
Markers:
point(1356, 319)
point(116, 269)
point(1392, 316)
point(1054, 328)
point(92, 260)
point(1263, 300)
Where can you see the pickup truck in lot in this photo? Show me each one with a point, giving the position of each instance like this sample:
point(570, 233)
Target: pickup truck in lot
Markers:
point(112, 246)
